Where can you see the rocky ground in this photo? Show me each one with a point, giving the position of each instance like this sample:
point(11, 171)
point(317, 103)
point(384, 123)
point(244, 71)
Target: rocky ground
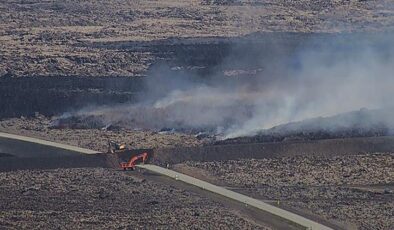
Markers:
point(96, 139)
point(88, 198)
point(355, 189)
point(47, 38)
point(93, 38)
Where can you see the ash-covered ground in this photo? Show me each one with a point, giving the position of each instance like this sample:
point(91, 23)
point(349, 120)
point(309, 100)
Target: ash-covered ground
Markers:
point(357, 190)
point(107, 199)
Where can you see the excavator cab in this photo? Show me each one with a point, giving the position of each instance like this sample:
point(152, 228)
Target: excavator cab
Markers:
point(114, 147)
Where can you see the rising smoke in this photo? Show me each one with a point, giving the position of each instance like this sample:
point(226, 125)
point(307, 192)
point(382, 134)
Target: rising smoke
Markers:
point(321, 77)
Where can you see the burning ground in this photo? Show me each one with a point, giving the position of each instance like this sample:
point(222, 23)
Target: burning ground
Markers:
point(96, 139)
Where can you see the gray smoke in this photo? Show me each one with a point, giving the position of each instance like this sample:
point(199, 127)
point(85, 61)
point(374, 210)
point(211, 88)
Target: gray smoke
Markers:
point(322, 78)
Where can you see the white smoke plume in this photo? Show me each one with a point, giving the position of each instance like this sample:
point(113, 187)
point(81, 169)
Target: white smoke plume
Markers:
point(325, 78)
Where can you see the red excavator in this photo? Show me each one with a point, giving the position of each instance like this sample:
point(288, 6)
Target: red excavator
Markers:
point(133, 161)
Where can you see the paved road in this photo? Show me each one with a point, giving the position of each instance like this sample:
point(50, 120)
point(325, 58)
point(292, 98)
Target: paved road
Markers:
point(41, 142)
point(309, 224)
point(23, 153)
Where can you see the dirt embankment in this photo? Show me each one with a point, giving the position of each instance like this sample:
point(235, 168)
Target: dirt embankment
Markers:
point(56, 95)
point(320, 148)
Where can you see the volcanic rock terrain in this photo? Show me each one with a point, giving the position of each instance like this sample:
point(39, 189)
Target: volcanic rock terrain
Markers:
point(104, 198)
point(356, 189)
point(52, 38)
point(62, 57)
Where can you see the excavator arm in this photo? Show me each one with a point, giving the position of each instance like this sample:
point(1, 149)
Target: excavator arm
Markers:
point(130, 164)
